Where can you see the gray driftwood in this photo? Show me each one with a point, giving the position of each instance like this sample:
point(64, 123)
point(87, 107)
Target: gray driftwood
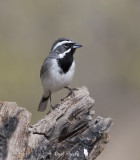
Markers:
point(67, 133)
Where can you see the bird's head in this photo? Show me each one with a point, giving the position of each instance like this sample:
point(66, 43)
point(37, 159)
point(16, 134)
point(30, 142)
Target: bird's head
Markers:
point(64, 46)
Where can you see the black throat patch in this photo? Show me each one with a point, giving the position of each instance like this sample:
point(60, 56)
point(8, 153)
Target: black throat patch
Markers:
point(65, 62)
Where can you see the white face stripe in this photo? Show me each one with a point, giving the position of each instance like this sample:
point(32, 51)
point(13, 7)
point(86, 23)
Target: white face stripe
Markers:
point(63, 54)
point(60, 43)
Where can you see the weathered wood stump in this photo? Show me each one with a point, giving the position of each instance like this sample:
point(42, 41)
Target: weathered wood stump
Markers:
point(67, 133)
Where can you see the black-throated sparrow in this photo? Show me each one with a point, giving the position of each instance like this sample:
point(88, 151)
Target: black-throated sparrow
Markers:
point(58, 69)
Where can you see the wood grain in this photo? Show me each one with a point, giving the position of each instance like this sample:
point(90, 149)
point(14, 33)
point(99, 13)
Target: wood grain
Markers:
point(69, 132)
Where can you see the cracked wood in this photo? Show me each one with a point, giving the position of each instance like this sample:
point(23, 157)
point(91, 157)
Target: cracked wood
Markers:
point(69, 132)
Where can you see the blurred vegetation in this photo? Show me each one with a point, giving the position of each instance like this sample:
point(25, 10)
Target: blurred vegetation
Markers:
point(108, 64)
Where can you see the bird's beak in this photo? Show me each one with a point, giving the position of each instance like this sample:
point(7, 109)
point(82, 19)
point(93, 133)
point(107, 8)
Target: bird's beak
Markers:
point(76, 45)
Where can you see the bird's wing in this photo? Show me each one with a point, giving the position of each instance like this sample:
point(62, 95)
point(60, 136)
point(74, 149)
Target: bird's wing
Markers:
point(45, 67)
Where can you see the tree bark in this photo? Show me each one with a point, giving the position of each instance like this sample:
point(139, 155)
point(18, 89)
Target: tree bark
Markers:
point(68, 132)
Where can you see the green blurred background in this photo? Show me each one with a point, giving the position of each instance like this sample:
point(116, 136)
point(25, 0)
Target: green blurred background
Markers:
point(108, 64)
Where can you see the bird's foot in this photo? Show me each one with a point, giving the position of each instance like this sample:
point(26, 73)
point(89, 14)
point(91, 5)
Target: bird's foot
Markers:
point(71, 92)
point(56, 106)
point(53, 107)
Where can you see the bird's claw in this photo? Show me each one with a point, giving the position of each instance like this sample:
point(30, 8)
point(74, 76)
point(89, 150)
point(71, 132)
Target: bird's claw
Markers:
point(71, 92)
point(53, 107)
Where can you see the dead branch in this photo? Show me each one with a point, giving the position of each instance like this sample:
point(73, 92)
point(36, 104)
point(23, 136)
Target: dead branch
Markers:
point(67, 133)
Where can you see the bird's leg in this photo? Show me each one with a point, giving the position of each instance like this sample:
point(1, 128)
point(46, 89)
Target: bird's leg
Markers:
point(71, 92)
point(51, 106)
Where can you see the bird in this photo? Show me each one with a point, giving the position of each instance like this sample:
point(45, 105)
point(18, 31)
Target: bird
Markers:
point(57, 70)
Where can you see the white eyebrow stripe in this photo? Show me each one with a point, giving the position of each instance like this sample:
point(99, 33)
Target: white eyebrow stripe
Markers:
point(63, 54)
point(60, 43)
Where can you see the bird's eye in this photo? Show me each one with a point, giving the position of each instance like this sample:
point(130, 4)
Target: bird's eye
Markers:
point(66, 45)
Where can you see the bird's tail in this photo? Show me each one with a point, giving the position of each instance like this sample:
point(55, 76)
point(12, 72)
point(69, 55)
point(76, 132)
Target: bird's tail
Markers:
point(43, 103)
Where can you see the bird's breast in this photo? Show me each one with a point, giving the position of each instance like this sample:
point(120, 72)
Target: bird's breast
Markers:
point(56, 79)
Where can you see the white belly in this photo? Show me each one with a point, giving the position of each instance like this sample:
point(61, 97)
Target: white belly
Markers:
point(55, 81)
